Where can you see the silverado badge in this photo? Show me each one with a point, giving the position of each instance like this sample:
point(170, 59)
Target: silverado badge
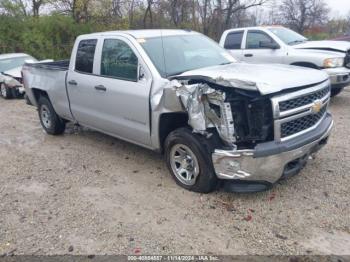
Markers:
point(316, 106)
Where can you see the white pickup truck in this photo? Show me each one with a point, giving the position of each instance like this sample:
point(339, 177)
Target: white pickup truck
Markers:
point(178, 92)
point(276, 44)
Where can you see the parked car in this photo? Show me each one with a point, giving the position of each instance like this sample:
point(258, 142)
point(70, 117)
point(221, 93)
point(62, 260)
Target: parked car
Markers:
point(181, 94)
point(276, 44)
point(10, 74)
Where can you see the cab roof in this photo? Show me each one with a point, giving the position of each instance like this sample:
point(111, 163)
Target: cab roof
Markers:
point(256, 27)
point(146, 33)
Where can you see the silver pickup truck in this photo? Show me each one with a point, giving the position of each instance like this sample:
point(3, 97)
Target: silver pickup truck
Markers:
point(178, 92)
point(276, 44)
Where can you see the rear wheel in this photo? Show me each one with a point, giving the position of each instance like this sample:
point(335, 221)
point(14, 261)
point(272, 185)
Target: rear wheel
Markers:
point(49, 120)
point(5, 92)
point(336, 91)
point(188, 158)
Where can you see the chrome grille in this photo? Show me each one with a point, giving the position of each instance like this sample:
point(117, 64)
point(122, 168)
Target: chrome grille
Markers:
point(303, 100)
point(302, 123)
point(301, 111)
point(347, 59)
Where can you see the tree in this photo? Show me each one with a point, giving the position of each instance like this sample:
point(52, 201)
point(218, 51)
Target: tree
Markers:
point(148, 12)
point(273, 13)
point(204, 11)
point(222, 14)
point(78, 9)
point(16, 8)
point(303, 14)
point(36, 4)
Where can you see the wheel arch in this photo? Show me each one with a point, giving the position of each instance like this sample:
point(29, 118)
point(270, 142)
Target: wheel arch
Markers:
point(305, 64)
point(37, 93)
point(168, 122)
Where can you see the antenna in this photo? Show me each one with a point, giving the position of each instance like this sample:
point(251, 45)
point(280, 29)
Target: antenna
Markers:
point(161, 37)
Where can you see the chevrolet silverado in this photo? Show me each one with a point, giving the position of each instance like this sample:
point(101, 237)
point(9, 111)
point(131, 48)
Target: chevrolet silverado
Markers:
point(217, 121)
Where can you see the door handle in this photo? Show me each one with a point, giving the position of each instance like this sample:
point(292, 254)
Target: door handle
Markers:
point(248, 55)
point(101, 88)
point(73, 83)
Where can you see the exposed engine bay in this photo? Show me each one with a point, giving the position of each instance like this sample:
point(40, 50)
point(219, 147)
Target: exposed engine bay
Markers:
point(241, 118)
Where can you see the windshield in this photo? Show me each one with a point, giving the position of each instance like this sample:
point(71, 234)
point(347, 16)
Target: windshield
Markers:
point(11, 63)
point(288, 36)
point(177, 54)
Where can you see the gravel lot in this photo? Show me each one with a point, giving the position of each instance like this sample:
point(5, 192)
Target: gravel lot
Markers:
point(88, 193)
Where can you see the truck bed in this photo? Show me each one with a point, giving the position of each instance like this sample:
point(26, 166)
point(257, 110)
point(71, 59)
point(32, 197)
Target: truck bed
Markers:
point(49, 77)
point(61, 65)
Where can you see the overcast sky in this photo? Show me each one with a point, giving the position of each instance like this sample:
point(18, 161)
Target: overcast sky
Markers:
point(339, 7)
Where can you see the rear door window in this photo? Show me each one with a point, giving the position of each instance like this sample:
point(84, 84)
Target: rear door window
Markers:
point(118, 60)
point(85, 56)
point(234, 40)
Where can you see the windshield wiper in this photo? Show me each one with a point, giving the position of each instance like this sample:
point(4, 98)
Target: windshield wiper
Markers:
point(175, 74)
point(296, 42)
point(179, 73)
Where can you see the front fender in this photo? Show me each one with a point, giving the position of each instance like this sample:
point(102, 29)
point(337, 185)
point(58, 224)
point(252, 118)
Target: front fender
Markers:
point(315, 57)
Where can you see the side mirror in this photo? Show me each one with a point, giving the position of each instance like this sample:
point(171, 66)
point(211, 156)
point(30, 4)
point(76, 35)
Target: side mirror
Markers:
point(268, 45)
point(141, 72)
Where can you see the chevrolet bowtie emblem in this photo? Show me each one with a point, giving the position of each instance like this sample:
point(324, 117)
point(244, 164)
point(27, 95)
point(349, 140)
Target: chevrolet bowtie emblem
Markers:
point(316, 106)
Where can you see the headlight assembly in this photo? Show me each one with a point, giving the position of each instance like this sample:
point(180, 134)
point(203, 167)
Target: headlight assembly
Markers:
point(333, 62)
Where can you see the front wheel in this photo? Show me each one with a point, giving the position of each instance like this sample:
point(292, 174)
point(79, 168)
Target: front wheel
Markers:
point(49, 120)
point(189, 160)
point(336, 91)
point(5, 92)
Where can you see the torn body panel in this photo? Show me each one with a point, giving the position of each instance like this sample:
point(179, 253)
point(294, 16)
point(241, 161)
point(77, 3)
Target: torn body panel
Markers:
point(241, 118)
point(206, 109)
point(205, 106)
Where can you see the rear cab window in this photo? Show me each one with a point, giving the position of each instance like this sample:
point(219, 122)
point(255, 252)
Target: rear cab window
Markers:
point(84, 61)
point(234, 40)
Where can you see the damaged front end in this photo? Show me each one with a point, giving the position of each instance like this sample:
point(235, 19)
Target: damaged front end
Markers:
point(240, 118)
point(207, 109)
point(249, 158)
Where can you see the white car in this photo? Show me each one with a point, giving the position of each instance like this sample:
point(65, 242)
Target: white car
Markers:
point(10, 74)
point(280, 45)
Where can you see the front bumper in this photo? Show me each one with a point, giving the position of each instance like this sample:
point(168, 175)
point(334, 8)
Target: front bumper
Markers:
point(21, 90)
point(271, 161)
point(340, 76)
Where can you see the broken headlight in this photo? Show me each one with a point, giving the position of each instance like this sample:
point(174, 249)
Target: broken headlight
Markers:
point(253, 120)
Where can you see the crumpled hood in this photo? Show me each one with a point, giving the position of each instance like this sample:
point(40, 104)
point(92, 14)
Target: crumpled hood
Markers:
point(15, 72)
point(328, 45)
point(265, 78)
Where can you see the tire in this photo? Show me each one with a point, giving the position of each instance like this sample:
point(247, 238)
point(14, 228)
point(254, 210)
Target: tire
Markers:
point(194, 162)
point(5, 92)
point(49, 120)
point(336, 91)
point(17, 94)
